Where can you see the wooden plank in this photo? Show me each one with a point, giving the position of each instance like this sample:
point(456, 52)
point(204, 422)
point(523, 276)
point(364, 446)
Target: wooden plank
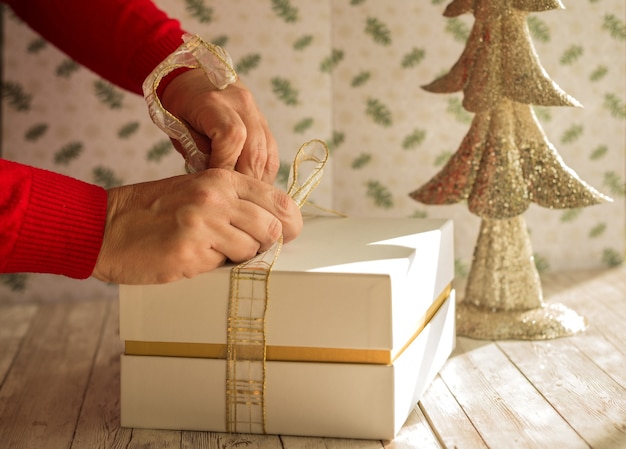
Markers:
point(99, 421)
point(415, 434)
point(214, 440)
point(44, 389)
point(15, 320)
point(444, 414)
point(582, 393)
point(154, 439)
point(603, 353)
point(503, 406)
point(290, 442)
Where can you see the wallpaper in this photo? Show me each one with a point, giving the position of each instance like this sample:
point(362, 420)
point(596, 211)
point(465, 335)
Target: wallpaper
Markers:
point(349, 72)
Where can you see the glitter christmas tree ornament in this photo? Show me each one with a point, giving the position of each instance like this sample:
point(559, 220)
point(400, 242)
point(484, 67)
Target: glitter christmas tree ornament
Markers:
point(504, 163)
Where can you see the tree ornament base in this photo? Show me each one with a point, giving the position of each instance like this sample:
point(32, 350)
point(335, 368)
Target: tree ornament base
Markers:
point(542, 323)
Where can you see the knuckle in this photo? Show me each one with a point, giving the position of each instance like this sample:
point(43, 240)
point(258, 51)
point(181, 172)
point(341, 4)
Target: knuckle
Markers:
point(258, 156)
point(283, 203)
point(235, 132)
point(274, 231)
point(272, 165)
point(246, 252)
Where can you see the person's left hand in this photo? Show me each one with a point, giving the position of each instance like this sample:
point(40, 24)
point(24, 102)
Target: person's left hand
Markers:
point(225, 124)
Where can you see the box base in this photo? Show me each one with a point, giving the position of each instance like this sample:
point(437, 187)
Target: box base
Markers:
point(341, 400)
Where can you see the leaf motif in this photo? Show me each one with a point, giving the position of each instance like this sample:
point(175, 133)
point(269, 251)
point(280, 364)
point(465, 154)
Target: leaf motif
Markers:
point(361, 161)
point(615, 27)
point(442, 158)
point(599, 73)
point(597, 230)
point(329, 63)
point(360, 79)
point(455, 108)
point(336, 140)
point(379, 112)
point(538, 29)
point(572, 134)
point(248, 63)
point(461, 269)
point(68, 153)
point(108, 94)
point(159, 150)
point(458, 30)
point(615, 183)
point(285, 10)
point(35, 132)
point(303, 42)
point(16, 282)
point(599, 152)
point(282, 178)
point(15, 96)
point(128, 130)
point(615, 106)
point(414, 139)
point(303, 125)
point(612, 257)
point(379, 32)
point(541, 263)
point(571, 55)
point(198, 10)
point(379, 194)
point(36, 45)
point(220, 41)
point(67, 68)
point(413, 58)
point(570, 215)
point(285, 92)
point(105, 177)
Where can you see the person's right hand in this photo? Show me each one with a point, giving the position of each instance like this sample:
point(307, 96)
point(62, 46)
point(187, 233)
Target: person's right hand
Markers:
point(178, 227)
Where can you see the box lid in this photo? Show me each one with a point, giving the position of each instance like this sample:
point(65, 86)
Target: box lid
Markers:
point(343, 284)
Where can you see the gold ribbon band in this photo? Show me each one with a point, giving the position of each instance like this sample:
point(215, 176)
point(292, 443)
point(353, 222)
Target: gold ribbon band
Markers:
point(287, 353)
point(246, 350)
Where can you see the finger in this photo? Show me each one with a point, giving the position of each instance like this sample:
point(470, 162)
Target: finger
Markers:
point(207, 261)
point(254, 153)
point(272, 164)
point(259, 224)
point(273, 200)
point(236, 244)
point(228, 136)
point(202, 143)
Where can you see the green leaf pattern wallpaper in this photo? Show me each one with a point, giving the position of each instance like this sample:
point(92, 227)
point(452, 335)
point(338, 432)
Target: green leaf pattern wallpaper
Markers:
point(349, 72)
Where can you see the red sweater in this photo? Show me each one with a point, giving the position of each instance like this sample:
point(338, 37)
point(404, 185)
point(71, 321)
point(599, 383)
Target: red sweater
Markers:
point(50, 223)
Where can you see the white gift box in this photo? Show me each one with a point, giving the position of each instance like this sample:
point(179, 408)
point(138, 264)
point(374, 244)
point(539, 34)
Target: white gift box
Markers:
point(360, 318)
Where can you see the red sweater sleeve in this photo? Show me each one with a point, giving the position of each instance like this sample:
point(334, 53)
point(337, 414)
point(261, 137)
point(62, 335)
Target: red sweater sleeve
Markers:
point(120, 40)
point(49, 223)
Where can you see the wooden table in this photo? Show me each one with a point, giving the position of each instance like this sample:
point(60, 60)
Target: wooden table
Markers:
point(59, 383)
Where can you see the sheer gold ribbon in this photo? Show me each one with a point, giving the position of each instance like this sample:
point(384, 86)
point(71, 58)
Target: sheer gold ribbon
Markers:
point(249, 281)
point(247, 306)
point(194, 53)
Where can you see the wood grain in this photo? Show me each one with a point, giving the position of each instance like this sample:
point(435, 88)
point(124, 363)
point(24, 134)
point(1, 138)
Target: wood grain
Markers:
point(59, 384)
point(14, 323)
point(44, 390)
point(454, 428)
point(99, 422)
point(504, 407)
point(416, 434)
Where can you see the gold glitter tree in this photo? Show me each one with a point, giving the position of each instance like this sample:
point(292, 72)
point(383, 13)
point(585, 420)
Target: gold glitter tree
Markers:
point(504, 163)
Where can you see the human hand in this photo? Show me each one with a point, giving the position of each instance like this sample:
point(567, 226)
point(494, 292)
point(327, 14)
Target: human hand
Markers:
point(225, 124)
point(175, 228)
